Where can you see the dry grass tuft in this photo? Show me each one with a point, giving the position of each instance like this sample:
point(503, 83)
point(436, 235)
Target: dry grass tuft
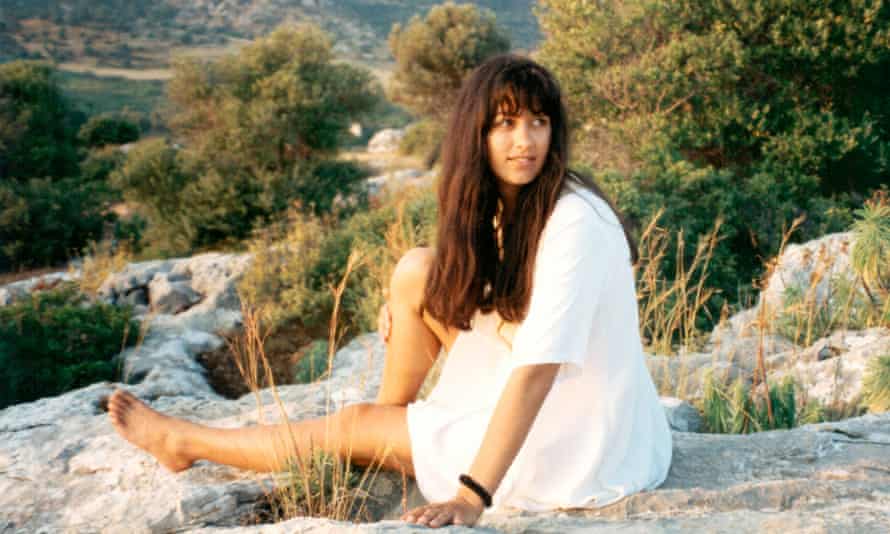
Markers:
point(100, 260)
point(317, 483)
point(669, 309)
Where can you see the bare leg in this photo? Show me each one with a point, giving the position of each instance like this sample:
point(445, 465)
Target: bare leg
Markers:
point(364, 432)
point(416, 339)
point(177, 444)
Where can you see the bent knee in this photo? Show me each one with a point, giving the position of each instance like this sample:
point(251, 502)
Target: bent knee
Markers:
point(409, 277)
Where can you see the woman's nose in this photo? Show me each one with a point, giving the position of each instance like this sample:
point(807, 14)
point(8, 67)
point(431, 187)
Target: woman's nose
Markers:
point(522, 134)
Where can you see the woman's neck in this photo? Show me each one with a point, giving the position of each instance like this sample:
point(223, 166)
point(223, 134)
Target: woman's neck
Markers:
point(506, 208)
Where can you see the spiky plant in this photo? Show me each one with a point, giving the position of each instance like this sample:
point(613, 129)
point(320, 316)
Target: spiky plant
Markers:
point(876, 385)
point(738, 409)
point(870, 257)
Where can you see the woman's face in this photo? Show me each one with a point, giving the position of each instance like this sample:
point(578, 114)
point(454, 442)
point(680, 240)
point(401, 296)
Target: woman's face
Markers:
point(517, 148)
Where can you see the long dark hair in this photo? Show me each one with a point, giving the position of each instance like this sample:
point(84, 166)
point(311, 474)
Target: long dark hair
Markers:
point(467, 273)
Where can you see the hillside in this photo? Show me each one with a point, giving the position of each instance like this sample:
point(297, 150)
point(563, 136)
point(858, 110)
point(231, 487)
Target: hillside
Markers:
point(144, 34)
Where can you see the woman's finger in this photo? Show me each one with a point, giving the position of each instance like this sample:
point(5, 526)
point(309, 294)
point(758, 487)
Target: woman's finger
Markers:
point(442, 518)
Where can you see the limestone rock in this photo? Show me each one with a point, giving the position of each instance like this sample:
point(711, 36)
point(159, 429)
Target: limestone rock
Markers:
point(170, 297)
point(386, 140)
point(682, 416)
point(837, 379)
point(397, 180)
point(14, 291)
point(64, 467)
point(814, 262)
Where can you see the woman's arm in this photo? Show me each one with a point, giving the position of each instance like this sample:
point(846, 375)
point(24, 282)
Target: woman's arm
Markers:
point(510, 423)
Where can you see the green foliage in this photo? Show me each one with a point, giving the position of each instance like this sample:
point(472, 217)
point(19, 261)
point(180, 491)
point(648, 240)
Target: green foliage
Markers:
point(53, 342)
point(758, 111)
point(298, 260)
point(422, 139)
point(876, 385)
point(108, 129)
point(44, 221)
point(736, 409)
point(260, 130)
point(870, 256)
point(36, 124)
point(320, 485)
point(435, 53)
point(313, 364)
point(189, 209)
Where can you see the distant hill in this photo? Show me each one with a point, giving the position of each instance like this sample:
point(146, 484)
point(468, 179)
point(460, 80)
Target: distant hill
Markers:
point(144, 33)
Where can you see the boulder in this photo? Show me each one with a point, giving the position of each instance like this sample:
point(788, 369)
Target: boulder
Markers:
point(813, 263)
point(682, 416)
point(386, 140)
point(165, 296)
point(14, 291)
point(831, 370)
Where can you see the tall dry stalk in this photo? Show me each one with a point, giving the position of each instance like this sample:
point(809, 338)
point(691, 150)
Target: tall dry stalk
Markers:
point(764, 318)
point(295, 495)
point(669, 308)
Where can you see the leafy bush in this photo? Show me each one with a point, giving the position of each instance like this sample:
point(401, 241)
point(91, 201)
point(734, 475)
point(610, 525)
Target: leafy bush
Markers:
point(45, 221)
point(737, 409)
point(756, 112)
point(108, 129)
point(55, 341)
point(435, 53)
point(313, 364)
point(297, 261)
point(37, 124)
point(422, 139)
point(259, 130)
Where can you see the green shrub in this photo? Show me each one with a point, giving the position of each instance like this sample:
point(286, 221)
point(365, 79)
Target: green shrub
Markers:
point(758, 112)
point(45, 222)
point(259, 130)
point(37, 124)
point(54, 341)
point(108, 129)
point(433, 55)
point(422, 139)
point(313, 364)
point(297, 261)
point(876, 385)
point(735, 409)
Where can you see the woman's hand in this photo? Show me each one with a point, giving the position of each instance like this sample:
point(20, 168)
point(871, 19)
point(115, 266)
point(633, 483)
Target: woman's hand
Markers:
point(384, 322)
point(457, 511)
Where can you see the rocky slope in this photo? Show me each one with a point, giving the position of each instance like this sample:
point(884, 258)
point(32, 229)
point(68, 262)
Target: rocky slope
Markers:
point(62, 467)
point(88, 30)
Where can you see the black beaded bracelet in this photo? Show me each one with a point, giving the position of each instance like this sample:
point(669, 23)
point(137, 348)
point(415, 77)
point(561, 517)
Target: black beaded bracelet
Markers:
point(477, 488)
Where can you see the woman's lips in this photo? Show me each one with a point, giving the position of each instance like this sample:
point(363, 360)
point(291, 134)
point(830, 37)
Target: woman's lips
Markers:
point(522, 161)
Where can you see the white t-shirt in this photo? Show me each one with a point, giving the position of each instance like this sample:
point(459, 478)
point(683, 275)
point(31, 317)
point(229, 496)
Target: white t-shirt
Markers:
point(601, 433)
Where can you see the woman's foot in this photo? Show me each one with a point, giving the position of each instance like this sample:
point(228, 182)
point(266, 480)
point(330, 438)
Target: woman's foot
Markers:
point(157, 434)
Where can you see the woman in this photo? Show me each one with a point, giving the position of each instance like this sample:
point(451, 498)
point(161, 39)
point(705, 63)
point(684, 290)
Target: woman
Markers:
point(544, 401)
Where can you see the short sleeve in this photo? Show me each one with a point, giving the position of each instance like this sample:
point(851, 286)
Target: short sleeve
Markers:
point(577, 251)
